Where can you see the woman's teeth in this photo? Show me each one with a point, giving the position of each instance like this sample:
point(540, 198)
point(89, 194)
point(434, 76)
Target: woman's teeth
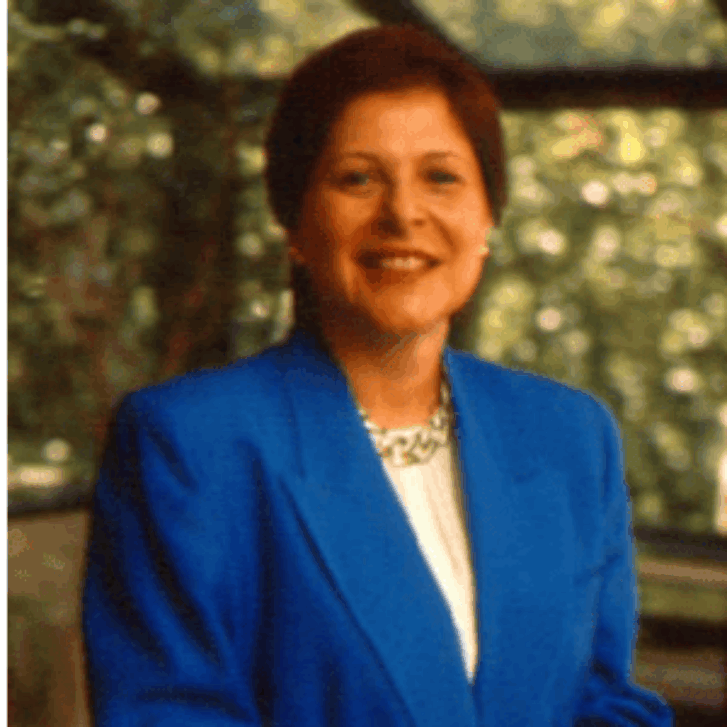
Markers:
point(402, 263)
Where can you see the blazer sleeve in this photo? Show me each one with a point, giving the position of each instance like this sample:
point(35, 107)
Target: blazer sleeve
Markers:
point(159, 599)
point(610, 698)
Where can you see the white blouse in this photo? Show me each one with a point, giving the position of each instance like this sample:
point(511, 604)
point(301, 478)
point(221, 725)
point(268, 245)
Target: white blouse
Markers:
point(432, 498)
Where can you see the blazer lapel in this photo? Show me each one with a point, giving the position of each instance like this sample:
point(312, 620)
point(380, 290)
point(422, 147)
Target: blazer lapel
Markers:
point(367, 544)
point(522, 537)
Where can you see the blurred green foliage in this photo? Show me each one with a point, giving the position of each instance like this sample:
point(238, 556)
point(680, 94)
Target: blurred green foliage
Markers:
point(610, 274)
point(141, 245)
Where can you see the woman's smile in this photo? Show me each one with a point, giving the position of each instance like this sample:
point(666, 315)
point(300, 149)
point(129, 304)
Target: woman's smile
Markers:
point(409, 263)
point(399, 271)
point(395, 267)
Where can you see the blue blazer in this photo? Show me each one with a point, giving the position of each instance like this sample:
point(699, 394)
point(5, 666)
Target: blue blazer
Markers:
point(250, 564)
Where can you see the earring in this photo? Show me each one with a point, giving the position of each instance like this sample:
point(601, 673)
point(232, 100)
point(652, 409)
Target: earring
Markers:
point(295, 255)
point(485, 248)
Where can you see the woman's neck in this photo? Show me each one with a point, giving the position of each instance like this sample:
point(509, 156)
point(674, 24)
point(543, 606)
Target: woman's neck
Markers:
point(396, 379)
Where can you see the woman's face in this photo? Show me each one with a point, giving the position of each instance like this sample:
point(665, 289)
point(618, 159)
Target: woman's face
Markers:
point(395, 218)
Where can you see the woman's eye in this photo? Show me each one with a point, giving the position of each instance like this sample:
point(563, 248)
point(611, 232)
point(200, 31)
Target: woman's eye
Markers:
point(442, 177)
point(355, 179)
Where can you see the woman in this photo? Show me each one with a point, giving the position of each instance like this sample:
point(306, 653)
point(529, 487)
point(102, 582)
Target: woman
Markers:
point(362, 526)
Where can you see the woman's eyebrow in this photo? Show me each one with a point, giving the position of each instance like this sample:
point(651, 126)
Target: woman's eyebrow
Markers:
point(440, 154)
point(375, 157)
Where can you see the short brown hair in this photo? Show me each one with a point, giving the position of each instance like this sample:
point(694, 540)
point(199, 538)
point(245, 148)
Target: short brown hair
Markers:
point(389, 57)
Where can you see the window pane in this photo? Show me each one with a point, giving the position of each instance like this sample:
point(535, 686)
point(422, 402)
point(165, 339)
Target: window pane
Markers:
point(592, 33)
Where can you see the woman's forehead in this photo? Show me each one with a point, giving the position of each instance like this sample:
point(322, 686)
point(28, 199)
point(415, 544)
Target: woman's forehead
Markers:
point(415, 122)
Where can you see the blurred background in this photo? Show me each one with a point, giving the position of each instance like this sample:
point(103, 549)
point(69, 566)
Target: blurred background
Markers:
point(140, 246)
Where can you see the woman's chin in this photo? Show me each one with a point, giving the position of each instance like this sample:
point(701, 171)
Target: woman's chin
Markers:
point(402, 323)
point(393, 314)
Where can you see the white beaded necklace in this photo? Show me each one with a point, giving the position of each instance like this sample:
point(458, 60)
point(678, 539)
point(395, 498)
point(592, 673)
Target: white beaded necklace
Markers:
point(404, 446)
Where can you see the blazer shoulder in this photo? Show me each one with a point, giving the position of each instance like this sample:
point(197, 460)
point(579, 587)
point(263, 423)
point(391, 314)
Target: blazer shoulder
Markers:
point(530, 392)
point(239, 390)
point(557, 425)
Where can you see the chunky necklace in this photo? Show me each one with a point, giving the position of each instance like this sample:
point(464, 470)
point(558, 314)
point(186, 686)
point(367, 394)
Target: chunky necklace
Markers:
point(413, 445)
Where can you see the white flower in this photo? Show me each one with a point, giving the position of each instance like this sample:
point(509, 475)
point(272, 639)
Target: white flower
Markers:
point(549, 319)
point(147, 103)
point(97, 133)
point(252, 159)
point(160, 144)
point(260, 309)
point(552, 242)
point(595, 193)
point(56, 450)
point(523, 166)
point(682, 380)
point(606, 242)
point(250, 245)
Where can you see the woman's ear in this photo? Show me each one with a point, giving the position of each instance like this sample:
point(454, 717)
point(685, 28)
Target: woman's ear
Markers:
point(295, 252)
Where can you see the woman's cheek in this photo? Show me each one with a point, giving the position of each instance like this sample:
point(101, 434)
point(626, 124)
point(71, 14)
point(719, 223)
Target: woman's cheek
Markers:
point(471, 270)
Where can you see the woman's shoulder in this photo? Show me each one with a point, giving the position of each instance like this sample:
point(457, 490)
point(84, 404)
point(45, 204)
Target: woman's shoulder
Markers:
point(496, 376)
point(237, 392)
point(529, 393)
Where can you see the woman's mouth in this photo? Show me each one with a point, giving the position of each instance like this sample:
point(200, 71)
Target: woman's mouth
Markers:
point(398, 262)
point(394, 268)
point(403, 263)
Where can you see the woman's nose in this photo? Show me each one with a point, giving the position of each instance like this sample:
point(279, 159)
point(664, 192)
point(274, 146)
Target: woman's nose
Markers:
point(401, 208)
